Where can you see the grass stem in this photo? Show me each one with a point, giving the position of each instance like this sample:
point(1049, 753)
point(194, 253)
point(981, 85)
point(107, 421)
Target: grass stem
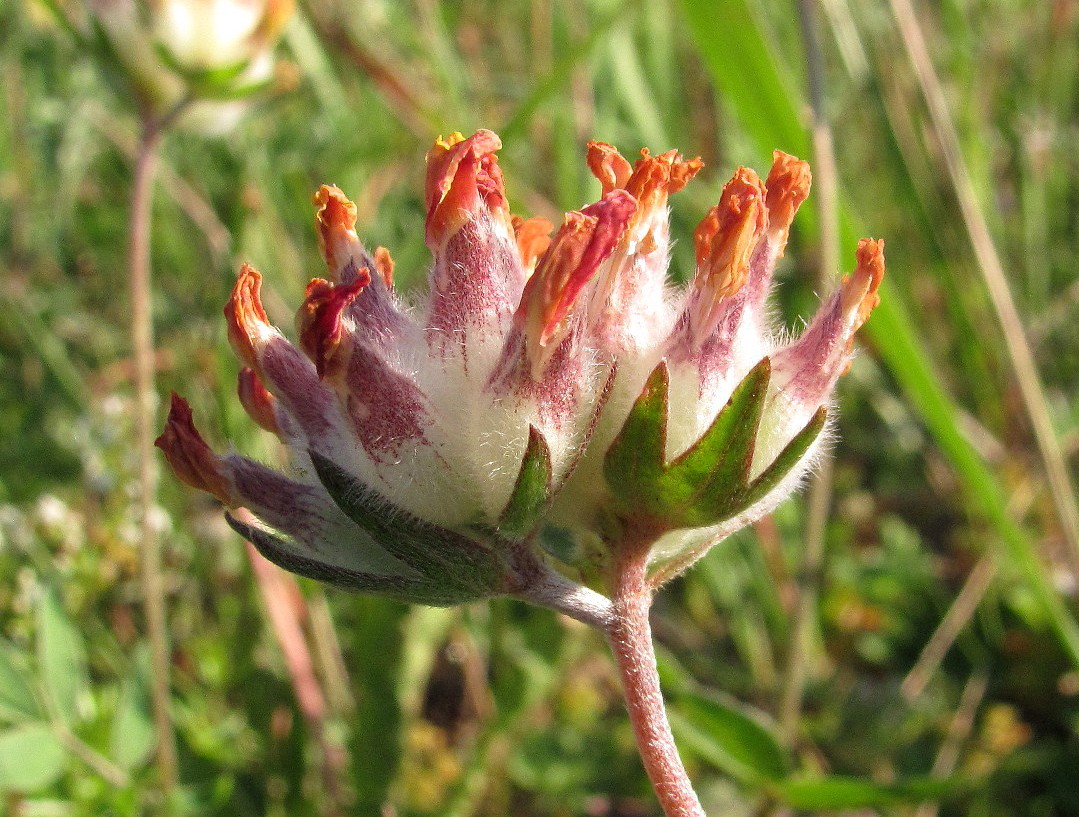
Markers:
point(819, 501)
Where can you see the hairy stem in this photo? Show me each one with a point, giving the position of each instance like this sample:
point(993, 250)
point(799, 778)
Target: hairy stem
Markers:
point(630, 635)
point(143, 348)
point(543, 586)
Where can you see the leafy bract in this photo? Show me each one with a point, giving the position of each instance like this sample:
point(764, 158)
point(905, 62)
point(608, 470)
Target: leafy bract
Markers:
point(531, 491)
point(710, 481)
point(452, 568)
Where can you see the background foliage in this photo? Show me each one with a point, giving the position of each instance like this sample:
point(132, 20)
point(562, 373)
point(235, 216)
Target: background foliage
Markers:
point(940, 512)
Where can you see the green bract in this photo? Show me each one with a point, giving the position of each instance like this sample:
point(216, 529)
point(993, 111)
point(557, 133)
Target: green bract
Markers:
point(710, 481)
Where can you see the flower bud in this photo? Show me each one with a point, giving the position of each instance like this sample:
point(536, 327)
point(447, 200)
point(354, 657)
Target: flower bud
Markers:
point(209, 52)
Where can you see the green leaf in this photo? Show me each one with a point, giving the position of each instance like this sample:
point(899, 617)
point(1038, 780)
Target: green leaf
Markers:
point(709, 482)
point(202, 80)
point(531, 492)
point(132, 734)
point(838, 792)
point(17, 699)
point(285, 552)
point(457, 567)
point(634, 464)
point(31, 758)
point(61, 657)
point(746, 71)
point(728, 738)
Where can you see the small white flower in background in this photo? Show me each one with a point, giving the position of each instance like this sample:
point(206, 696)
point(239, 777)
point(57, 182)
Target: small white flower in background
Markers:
point(204, 35)
point(550, 393)
point(211, 52)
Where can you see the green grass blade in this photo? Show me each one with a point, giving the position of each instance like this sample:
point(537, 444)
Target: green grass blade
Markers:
point(556, 82)
point(893, 337)
point(731, 44)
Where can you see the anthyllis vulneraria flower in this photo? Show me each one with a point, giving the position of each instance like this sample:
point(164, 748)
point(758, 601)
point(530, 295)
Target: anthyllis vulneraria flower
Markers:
point(550, 395)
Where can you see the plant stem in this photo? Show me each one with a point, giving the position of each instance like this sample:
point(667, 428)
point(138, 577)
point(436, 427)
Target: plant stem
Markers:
point(543, 586)
point(143, 348)
point(630, 635)
point(285, 608)
point(108, 771)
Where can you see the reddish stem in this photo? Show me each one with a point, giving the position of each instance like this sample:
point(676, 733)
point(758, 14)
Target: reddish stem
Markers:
point(142, 343)
point(143, 349)
point(630, 635)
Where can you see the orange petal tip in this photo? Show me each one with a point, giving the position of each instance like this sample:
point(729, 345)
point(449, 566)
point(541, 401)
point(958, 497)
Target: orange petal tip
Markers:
point(656, 177)
point(859, 292)
point(725, 240)
point(384, 265)
point(248, 323)
point(533, 237)
point(584, 241)
point(609, 166)
point(788, 186)
point(463, 180)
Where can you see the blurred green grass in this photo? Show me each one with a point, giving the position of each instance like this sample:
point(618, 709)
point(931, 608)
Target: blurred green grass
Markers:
point(497, 709)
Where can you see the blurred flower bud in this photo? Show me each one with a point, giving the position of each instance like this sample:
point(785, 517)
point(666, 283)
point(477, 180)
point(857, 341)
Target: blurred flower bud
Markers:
point(212, 53)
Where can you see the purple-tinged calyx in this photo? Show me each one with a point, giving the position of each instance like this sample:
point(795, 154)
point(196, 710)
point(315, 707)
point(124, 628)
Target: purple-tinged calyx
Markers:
point(806, 371)
point(477, 275)
point(547, 361)
point(385, 408)
point(724, 328)
point(279, 365)
point(347, 260)
point(319, 322)
point(586, 239)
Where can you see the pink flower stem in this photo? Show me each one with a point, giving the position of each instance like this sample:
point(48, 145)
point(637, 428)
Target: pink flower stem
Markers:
point(143, 349)
point(142, 344)
point(630, 635)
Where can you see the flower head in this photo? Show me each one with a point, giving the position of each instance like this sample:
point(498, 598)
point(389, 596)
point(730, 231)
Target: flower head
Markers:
point(550, 391)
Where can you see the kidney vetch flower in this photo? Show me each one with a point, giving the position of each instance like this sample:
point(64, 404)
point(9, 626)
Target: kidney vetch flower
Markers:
point(207, 57)
point(550, 396)
point(553, 419)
